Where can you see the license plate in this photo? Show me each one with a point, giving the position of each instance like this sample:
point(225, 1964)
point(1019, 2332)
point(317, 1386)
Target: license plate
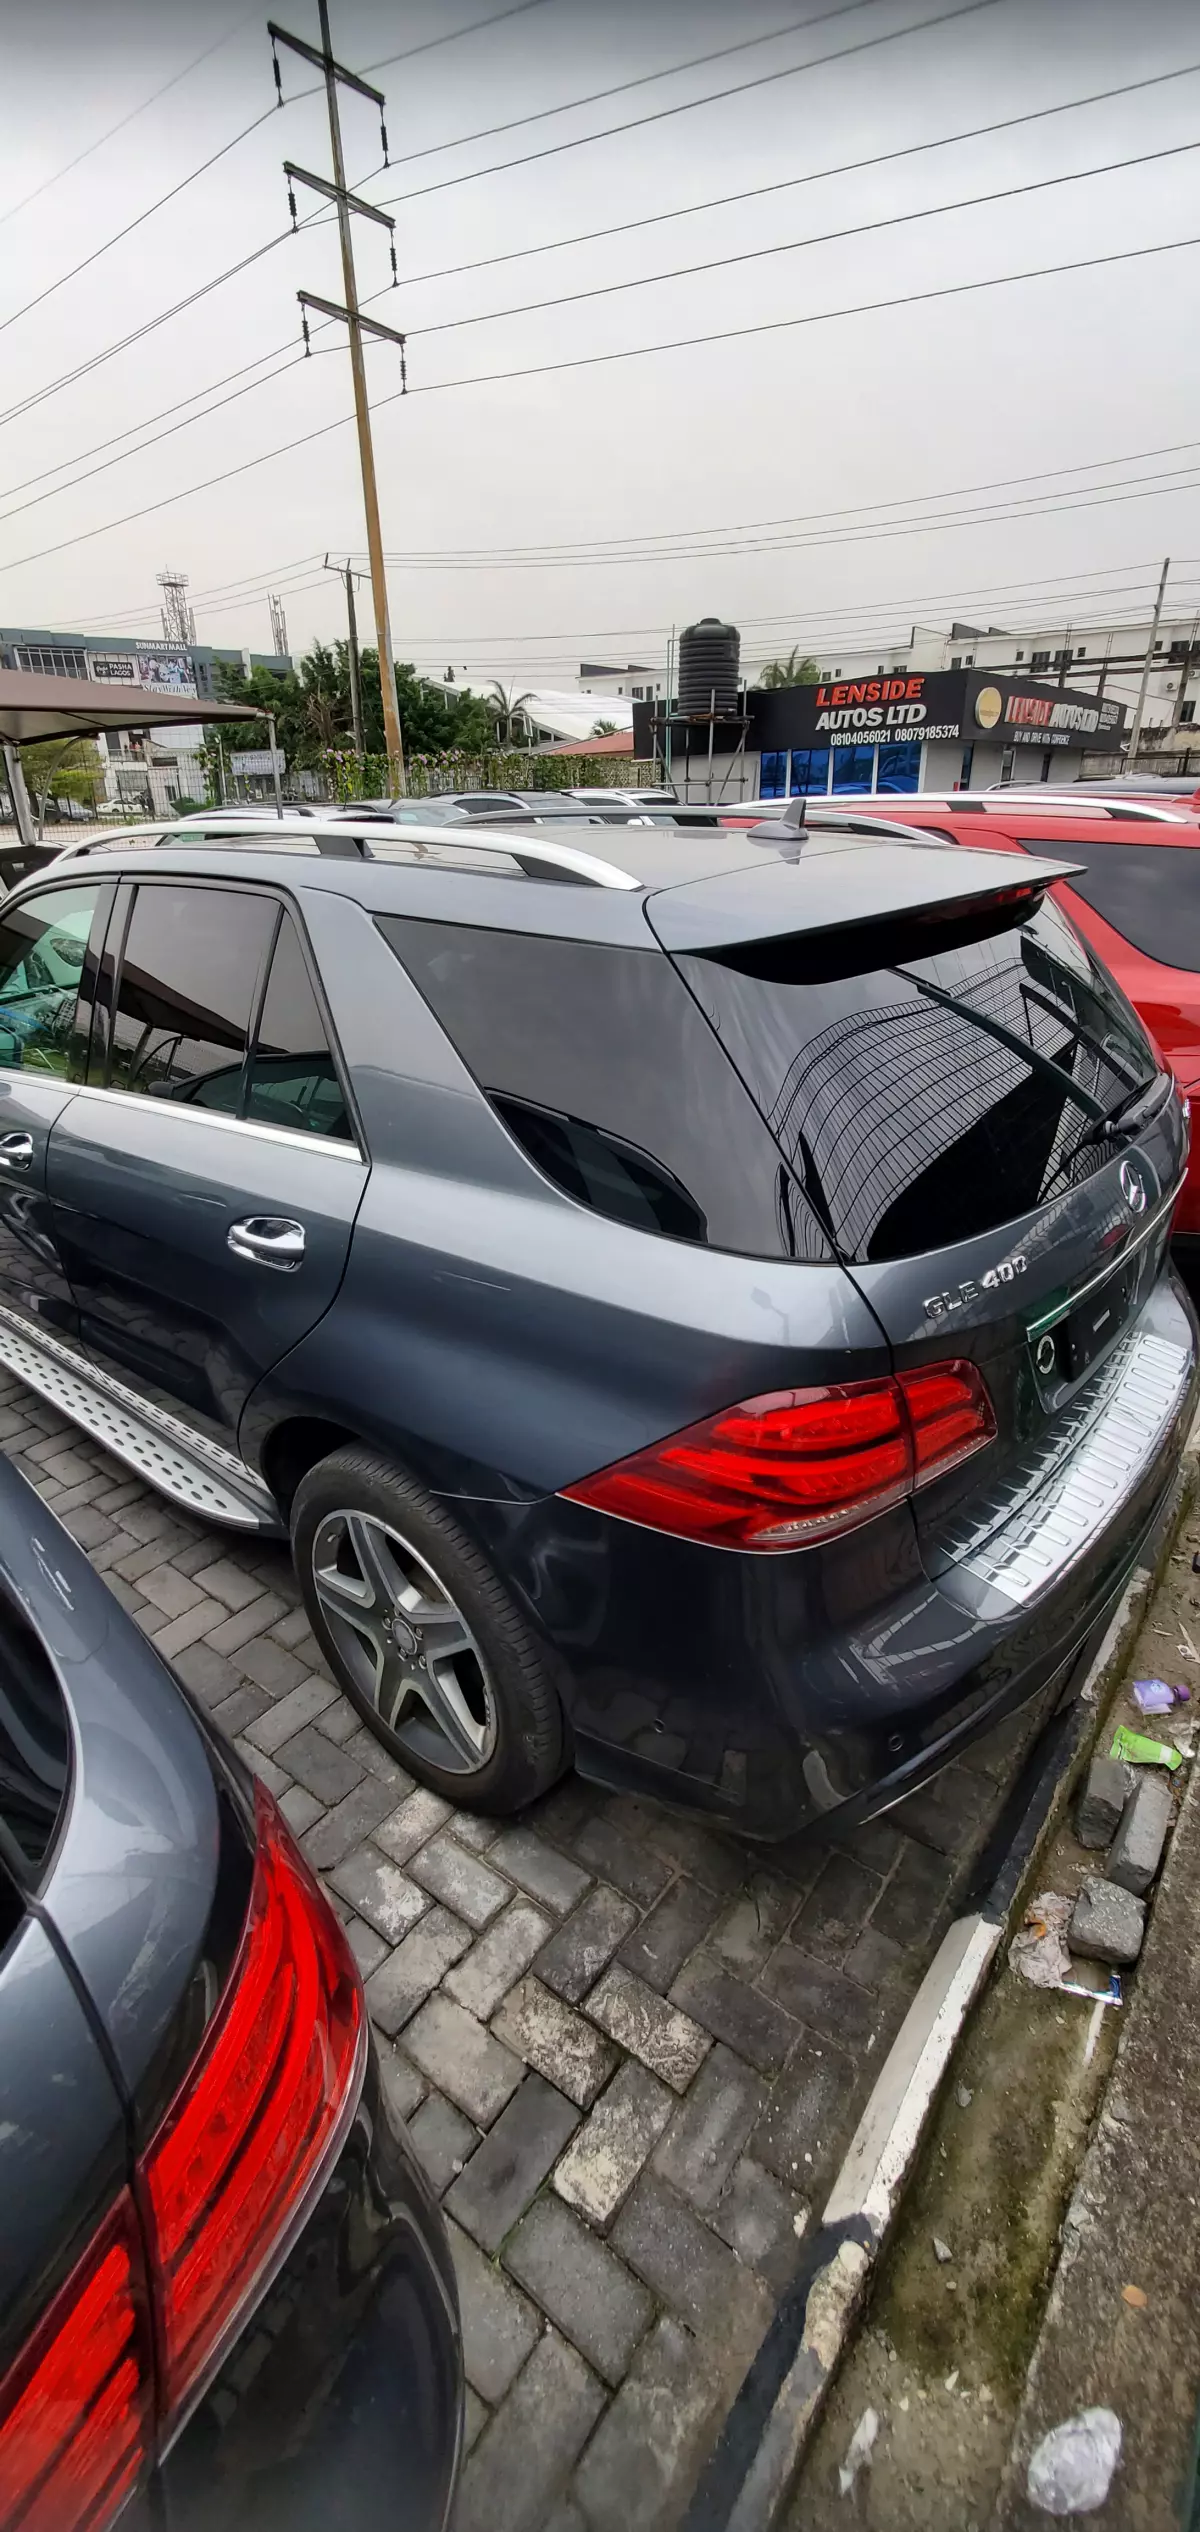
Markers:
point(1092, 1325)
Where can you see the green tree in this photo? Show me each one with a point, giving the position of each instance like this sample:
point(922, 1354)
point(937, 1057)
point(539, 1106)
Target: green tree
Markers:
point(795, 670)
point(313, 711)
point(605, 729)
point(62, 769)
point(505, 706)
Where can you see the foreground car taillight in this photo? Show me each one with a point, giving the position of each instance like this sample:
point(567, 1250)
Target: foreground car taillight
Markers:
point(227, 2180)
point(75, 2407)
point(264, 2106)
point(800, 1464)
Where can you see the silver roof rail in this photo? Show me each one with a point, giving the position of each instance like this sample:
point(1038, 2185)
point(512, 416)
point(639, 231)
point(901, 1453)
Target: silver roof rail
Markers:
point(530, 853)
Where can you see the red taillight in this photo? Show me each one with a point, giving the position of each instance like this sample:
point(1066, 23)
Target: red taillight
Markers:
point(801, 1464)
point(74, 2409)
point(231, 2167)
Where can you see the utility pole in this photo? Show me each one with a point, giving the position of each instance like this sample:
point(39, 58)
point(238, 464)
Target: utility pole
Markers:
point(346, 573)
point(1147, 665)
point(356, 325)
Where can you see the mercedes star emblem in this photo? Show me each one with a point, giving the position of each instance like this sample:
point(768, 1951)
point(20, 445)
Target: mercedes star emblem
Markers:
point(1133, 1187)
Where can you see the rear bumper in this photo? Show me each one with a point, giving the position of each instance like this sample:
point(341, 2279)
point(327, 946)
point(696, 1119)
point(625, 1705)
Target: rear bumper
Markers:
point(758, 1706)
point(340, 2407)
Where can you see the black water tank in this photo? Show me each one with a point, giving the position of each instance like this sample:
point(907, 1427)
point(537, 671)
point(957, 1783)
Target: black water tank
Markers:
point(709, 653)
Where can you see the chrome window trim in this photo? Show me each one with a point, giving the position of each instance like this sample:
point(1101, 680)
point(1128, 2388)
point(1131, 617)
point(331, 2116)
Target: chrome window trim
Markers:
point(333, 1145)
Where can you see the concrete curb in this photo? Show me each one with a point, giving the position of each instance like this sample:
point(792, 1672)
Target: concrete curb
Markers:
point(747, 2481)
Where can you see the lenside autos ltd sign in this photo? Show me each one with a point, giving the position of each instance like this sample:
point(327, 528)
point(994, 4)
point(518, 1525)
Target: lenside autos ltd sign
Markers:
point(888, 710)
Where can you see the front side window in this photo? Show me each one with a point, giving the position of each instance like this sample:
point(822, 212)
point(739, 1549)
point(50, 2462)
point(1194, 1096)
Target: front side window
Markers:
point(186, 994)
point(43, 943)
point(293, 1079)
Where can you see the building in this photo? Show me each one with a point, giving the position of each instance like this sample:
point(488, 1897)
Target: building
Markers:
point(1106, 658)
point(632, 684)
point(142, 771)
point(889, 731)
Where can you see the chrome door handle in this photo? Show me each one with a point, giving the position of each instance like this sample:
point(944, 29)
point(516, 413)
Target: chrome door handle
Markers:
point(16, 1151)
point(268, 1239)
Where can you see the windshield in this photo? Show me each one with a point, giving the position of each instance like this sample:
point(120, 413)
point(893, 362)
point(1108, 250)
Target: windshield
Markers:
point(927, 1102)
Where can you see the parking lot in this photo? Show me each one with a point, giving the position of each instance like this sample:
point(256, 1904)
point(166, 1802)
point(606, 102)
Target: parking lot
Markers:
point(631, 2051)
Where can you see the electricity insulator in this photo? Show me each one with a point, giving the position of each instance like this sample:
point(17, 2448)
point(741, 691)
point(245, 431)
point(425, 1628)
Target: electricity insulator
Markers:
point(278, 73)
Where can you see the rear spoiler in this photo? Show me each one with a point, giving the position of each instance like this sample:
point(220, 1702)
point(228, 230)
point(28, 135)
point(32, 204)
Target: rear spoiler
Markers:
point(818, 888)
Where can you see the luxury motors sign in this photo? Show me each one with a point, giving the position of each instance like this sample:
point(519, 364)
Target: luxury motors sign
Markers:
point(901, 707)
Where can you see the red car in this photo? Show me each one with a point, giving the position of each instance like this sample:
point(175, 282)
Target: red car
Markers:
point(1138, 903)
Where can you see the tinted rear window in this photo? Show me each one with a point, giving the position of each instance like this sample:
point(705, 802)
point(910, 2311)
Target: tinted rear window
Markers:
point(1150, 893)
point(35, 1745)
point(604, 1071)
point(909, 1121)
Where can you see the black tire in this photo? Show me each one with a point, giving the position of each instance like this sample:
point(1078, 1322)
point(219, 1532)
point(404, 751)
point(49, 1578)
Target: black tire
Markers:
point(507, 1682)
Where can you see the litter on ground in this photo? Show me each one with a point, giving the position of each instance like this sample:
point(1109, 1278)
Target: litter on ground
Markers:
point(1070, 2471)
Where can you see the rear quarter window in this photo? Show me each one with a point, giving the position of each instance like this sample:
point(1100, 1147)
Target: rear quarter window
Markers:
point(1150, 893)
point(603, 1070)
point(35, 1747)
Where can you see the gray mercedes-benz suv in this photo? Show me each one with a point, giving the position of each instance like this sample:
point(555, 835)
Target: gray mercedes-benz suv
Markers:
point(699, 1303)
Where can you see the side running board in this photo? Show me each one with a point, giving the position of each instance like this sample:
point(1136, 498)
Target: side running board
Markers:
point(178, 1462)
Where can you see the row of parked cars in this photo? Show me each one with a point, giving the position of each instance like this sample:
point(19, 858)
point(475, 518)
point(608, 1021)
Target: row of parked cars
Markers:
point(696, 1297)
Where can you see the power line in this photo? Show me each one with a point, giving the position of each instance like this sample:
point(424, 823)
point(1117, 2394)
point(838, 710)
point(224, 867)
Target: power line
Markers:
point(126, 119)
point(573, 548)
point(646, 79)
point(553, 245)
point(813, 176)
point(716, 96)
point(71, 377)
point(453, 35)
point(610, 289)
point(793, 245)
point(1077, 497)
point(131, 225)
point(642, 351)
point(202, 170)
point(19, 508)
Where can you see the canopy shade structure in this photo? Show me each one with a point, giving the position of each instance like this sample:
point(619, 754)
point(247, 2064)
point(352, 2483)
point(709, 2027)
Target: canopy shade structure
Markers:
point(33, 707)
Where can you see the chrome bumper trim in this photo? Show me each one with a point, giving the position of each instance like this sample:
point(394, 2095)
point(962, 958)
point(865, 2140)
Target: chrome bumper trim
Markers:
point(1066, 1490)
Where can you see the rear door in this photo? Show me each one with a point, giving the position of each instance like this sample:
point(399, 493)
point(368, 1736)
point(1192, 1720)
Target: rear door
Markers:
point(205, 1181)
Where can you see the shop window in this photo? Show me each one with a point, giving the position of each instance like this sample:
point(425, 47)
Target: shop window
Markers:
point(810, 772)
point(853, 768)
point(964, 771)
point(898, 768)
point(772, 774)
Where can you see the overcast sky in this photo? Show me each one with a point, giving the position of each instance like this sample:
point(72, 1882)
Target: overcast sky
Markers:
point(914, 405)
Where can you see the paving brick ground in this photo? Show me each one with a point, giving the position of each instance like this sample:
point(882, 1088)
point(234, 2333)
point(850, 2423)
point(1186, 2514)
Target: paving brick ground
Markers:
point(631, 2050)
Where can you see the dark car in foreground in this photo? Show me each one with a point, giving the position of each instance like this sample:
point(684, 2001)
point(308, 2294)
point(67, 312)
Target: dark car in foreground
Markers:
point(698, 1301)
point(225, 2294)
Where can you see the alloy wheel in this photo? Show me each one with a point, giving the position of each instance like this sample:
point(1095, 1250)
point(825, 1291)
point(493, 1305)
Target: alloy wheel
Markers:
point(404, 1641)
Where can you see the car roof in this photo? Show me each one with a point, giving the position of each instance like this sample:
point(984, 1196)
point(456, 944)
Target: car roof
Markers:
point(1087, 823)
point(627, 884)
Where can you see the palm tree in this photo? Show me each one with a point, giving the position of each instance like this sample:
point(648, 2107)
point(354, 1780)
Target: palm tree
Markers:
point(792, 671)
point(507, 706)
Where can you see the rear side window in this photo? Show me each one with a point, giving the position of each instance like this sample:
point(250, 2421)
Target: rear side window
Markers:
point(602, 1068)
point(1150, 893)
point(901, 1095)
point(35, 1747)
point(293, 1079)
point(189, 977)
